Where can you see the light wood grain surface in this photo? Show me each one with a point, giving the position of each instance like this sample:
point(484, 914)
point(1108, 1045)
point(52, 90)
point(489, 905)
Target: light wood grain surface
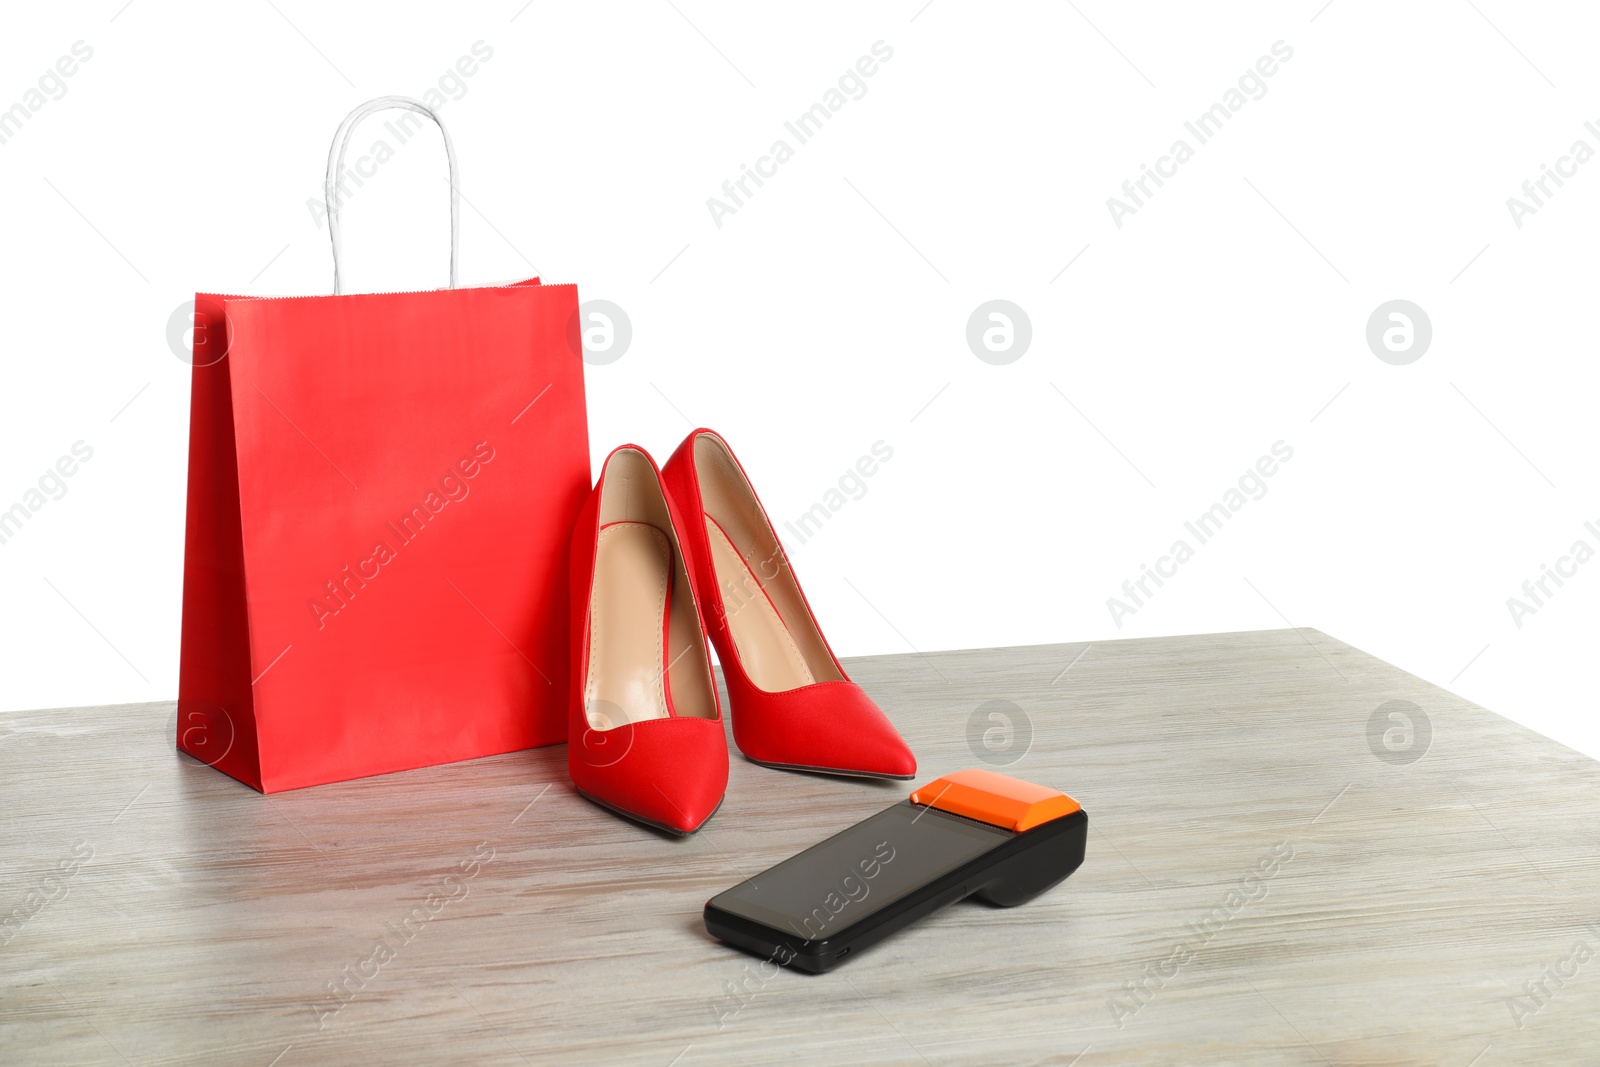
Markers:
point(1439, 911)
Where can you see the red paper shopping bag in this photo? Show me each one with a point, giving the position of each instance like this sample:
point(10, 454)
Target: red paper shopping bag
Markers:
point(381, 492)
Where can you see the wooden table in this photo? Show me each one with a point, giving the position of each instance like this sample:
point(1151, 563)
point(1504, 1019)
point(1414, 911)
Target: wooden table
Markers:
point(1434, 910)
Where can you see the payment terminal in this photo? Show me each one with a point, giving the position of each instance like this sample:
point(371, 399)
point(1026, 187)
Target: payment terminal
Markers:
point(971, 833)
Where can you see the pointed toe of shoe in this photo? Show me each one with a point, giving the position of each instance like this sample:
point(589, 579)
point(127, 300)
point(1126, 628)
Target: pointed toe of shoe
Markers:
point(668, 773)
point(833, 727)
point(885, 756)
point(894, 759)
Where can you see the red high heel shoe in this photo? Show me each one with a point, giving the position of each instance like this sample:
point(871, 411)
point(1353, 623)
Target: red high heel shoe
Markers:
point(645, 727)
point(793, 707)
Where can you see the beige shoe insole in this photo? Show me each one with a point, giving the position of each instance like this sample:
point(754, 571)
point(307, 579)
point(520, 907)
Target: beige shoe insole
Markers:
point(627, 623)
point(766, 649)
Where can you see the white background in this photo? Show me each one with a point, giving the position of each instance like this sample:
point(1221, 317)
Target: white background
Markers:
point(829, 312)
